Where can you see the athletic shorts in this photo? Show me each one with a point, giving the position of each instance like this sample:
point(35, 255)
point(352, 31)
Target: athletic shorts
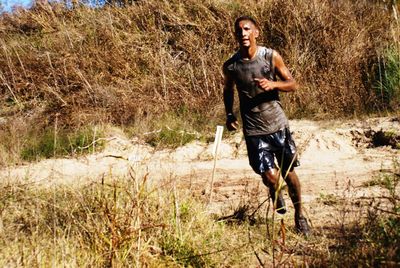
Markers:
point(263, 149)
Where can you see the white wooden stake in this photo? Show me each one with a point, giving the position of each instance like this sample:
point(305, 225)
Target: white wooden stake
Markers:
point(217, 141)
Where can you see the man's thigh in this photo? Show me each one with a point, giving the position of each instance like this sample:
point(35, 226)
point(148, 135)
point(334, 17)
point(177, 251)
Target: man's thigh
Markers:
point(261, 158)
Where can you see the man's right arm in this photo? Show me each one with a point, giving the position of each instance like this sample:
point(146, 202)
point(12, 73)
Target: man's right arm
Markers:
point(231, 121)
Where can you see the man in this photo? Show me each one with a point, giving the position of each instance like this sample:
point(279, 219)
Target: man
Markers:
point(253, 69)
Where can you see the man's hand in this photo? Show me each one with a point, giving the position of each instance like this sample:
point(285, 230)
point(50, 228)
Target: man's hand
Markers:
point(265, 84)
point(231, 122)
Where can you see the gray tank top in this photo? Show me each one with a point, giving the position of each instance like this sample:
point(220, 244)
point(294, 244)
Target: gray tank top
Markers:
point(261, 110)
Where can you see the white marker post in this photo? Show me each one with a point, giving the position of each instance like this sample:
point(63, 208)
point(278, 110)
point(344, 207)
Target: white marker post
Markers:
point(217, 141)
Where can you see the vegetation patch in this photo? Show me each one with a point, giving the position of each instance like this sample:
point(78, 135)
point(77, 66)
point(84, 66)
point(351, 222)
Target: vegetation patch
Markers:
point(329, 199)
point(89, 65)
point(119, 223)
point(125, 63)
point(127, 221)
point(374, 241)
point(171, 138)
point(52, 143)
point(175, 128)
point(388, 77)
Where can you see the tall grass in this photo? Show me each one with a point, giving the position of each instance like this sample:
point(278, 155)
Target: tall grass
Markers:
point(388, 78)
point(130, 64)
point(120, 64)
point(374, 241)
point(128, 221)
point(116, 223)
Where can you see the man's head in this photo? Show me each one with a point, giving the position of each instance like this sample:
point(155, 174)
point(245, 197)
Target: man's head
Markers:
point(246, 31)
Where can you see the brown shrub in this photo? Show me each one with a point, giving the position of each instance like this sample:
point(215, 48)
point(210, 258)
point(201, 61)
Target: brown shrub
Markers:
point(119, 64)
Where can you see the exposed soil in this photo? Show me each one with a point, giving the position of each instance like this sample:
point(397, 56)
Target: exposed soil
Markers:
point(336, 159)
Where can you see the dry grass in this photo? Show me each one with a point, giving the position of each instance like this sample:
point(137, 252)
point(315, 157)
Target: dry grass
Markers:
point(117, 223)
point(143, 64)
point(129, 221)
point(121, 65)
point(333, 50)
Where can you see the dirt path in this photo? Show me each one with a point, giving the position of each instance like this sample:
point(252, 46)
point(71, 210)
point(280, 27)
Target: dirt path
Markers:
point(332, 155)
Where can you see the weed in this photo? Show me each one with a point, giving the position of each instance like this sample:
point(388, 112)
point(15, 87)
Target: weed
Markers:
point(183, 252)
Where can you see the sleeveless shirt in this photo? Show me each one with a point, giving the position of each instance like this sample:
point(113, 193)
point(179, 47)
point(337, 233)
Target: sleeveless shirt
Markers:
point(261, 110)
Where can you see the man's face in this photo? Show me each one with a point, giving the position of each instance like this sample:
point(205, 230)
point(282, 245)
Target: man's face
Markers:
point(246, 33)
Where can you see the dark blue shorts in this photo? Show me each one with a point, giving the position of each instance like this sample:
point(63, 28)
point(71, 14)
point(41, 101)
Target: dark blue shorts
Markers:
point(263, 149)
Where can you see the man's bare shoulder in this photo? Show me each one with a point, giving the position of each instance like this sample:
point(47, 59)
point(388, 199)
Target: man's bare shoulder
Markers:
point(276, 55)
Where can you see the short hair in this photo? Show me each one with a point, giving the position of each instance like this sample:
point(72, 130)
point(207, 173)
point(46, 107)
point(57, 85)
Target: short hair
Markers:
point(241, 18)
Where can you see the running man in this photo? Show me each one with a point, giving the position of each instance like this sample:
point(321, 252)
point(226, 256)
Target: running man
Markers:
point(254, 70)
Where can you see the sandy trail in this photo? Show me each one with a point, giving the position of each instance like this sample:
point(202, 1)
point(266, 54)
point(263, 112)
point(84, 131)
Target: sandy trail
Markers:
point(332, 155)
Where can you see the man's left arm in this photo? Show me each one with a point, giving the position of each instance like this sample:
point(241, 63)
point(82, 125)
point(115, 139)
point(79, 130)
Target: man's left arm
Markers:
point(287, 82)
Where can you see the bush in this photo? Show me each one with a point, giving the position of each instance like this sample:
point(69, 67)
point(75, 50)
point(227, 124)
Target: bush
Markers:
point(119, 64)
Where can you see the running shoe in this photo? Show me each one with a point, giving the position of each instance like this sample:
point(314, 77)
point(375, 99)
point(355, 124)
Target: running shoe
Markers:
point(302, 226)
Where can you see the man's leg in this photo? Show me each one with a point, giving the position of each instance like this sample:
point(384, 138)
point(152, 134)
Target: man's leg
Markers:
point(262, 161)
point(294, 188)
point(270, 179)
point(293, 184)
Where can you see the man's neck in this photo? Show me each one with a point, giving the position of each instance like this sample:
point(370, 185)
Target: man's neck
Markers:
point(248, 53)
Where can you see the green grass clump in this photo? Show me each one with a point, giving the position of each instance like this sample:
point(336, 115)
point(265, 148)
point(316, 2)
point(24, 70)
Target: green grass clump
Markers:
point(171, 138)
point(49, 143)
point(176, 128)
point(388, 79)
point(183, 252)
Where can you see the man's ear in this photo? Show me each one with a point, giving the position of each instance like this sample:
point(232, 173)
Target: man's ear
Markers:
point(256, 33)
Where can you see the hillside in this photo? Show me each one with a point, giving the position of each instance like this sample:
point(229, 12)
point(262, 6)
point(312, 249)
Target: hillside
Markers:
point(145, 64)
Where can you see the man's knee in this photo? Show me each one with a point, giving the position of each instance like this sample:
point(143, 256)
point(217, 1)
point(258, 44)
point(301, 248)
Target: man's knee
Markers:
point(270, 177)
